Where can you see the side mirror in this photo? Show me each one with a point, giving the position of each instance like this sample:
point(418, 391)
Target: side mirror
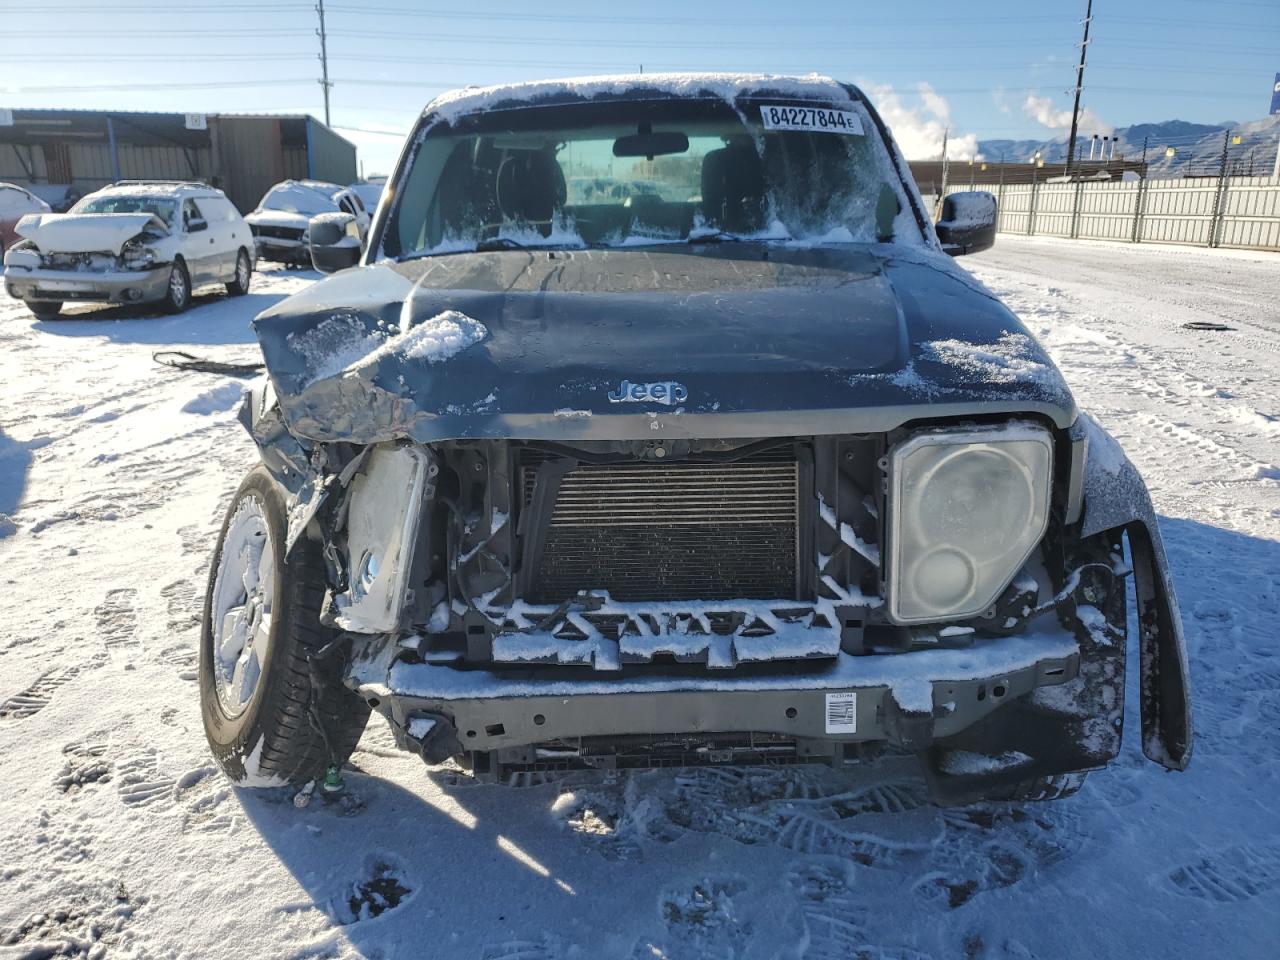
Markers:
point(968, 222)
point(195, 225)
point(334, 239)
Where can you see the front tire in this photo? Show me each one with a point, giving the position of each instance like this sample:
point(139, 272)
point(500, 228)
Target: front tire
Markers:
point(239, 284)
point(45, 309)
point(177, 293)
point(270, 721)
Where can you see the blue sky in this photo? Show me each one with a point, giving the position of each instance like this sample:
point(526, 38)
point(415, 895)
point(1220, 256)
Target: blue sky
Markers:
point(992, 69)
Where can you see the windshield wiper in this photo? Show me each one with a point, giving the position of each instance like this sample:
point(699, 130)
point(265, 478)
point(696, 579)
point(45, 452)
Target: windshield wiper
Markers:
point(725, 236)
point(499, 243)
point(713, 236)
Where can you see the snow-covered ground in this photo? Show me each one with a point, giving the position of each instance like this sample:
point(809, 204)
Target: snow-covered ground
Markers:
point(119, 839)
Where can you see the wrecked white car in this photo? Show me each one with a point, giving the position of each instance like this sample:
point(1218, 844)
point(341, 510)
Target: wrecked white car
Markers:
point(132, 242)
point(726, 463)
point(280, 222)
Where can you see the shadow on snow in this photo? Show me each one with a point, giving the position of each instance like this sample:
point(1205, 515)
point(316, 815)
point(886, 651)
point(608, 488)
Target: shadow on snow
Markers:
point(499, 866)
point(214, 318)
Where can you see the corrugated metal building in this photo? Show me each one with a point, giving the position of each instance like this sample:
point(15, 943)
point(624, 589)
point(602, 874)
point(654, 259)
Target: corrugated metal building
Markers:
point(243, 155)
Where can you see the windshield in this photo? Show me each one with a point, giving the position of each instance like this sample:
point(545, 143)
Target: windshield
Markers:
point(160, 206)
point(643, 172)
point(297, 199)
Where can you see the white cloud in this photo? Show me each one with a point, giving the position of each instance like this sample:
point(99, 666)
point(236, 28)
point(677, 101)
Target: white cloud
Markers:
point(1043, 111)
point(934, 103)
point(919, 129)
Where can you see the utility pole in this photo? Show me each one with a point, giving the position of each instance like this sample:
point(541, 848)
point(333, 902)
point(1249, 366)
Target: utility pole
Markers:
point(1144, 157)
point(1075, 110)
point(942, 193)
point(1219, 205)
point(324, 60)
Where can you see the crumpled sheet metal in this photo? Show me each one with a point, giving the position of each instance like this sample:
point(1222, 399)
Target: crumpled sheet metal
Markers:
point(807, 341)
point(1115, 497)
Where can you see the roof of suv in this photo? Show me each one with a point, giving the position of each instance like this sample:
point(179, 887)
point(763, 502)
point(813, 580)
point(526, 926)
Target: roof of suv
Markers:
point(726, 85)
point(176, 189)
point(320, 186)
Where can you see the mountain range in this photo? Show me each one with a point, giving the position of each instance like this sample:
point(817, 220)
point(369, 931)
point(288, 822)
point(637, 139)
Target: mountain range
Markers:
point(1197, 147)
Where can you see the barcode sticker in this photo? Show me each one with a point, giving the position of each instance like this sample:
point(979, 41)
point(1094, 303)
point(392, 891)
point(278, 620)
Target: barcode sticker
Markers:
point(842, 712)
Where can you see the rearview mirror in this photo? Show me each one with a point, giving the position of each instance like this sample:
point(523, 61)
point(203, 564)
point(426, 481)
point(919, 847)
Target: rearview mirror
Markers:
point(648, 144)
point(195, 225)
point(334, 239)
point(968, 222)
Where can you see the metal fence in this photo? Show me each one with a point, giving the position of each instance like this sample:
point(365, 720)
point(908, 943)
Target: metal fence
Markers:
point(1241, 212)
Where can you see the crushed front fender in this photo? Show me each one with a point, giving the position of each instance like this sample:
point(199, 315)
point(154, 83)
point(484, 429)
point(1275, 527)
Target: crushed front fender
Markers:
point(1116, 498)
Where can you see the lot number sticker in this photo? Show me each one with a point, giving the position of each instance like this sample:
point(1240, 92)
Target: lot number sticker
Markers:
point(812, 119)
point(842, 713)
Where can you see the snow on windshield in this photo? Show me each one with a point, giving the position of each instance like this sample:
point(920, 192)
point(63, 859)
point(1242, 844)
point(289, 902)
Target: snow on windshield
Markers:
point(296, 198)
point(645, 172)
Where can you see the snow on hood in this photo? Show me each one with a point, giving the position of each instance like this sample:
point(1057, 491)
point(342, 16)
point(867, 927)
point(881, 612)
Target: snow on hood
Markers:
point(301, 198)
point(278, 218)
point(727, 85)
point(86, 232)
point(830, 339)
point(341, 344)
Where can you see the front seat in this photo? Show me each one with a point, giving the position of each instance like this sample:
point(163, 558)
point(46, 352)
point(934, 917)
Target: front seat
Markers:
point(733, 189)
point(530, 188)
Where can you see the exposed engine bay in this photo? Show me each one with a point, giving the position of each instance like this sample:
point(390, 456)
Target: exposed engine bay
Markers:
point(504, 599)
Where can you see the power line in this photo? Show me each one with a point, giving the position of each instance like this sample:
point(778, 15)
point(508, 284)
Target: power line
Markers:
point(930, 67)
point(165, 58)
point(942, 90)
point(1191, 46)
point(210, 32)
point(540, 16)
point(228, 84)
point(381, 133)
point(772, 45)
point(270, 7)
point(428, 85)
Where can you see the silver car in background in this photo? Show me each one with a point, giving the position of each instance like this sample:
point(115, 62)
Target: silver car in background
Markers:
point(131, 242)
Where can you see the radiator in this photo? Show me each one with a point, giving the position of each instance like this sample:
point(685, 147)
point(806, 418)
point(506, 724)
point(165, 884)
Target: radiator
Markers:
point(672, 531)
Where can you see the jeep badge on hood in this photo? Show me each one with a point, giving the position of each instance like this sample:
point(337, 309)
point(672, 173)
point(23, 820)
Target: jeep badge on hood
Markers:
point(669, 393)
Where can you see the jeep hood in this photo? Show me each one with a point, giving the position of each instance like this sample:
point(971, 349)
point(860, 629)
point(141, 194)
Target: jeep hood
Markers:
point(85, 232)
point(764, 340)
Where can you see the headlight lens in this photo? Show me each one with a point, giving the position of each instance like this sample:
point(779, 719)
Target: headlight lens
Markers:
point(134, 256)
point(966, 508)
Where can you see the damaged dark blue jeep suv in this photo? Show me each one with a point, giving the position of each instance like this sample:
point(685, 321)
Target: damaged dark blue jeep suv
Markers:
point(654, 425)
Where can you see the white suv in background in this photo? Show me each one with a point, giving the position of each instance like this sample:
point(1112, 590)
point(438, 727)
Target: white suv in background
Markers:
point(136, 241)
point(281, 220)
